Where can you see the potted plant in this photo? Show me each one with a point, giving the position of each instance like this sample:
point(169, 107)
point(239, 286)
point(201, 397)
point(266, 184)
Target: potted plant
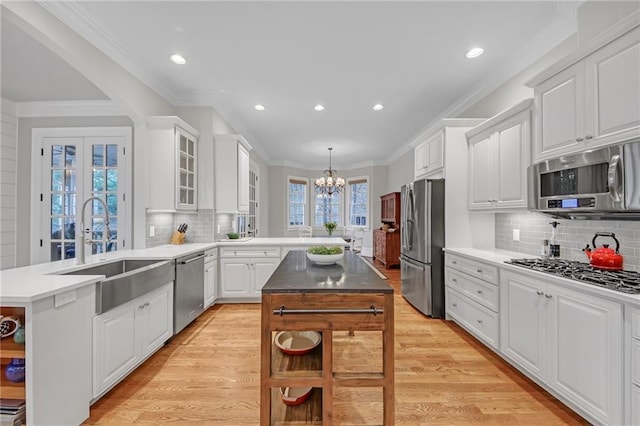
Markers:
point(330, 226)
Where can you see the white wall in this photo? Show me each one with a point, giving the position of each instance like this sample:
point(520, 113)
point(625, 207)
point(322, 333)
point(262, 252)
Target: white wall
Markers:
point(8, 184)
point(400, 172)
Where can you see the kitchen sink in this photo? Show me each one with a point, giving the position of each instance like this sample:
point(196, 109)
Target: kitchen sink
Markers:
point(126, 280)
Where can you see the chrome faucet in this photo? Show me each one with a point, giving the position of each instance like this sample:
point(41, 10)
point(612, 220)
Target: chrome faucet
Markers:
point(80, 259)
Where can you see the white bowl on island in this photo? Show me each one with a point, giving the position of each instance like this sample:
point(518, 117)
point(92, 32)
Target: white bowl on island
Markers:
point(322, 255)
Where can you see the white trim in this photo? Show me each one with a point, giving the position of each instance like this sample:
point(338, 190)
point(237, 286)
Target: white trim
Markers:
point(8, 107)
point(516, 109)
point(233, 137)
point(347, 206)
point(307, 210)
point(68, 109)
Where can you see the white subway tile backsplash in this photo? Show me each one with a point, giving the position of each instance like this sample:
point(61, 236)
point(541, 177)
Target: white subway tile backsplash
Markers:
point(573, 235)
point(200, 227)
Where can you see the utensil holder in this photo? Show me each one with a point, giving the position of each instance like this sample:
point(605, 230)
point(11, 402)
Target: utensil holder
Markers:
point(177, 238)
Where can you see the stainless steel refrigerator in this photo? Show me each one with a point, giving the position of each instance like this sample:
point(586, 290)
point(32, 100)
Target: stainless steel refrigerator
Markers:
point(422, 240)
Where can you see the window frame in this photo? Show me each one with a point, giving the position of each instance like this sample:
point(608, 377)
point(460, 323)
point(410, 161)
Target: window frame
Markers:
point(351, 181)
point(340, 223)
point(290, 180)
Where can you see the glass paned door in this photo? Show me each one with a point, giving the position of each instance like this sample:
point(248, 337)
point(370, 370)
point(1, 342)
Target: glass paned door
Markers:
point(105, 185)
point(252, 217)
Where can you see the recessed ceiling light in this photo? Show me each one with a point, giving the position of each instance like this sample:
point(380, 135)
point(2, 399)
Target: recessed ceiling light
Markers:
point(318, 107)
point(260, 107)
point(378, 107)
point(177, 59)
point(475, 52)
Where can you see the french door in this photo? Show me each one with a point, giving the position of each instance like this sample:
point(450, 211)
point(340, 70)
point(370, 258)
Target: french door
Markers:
point(71, 170)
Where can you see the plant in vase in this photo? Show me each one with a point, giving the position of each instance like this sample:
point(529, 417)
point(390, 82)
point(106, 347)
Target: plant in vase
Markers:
point(330, 226)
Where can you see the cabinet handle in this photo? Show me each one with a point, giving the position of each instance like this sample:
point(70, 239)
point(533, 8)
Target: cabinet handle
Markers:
point(265, 253)
point(548, 296)
point(588, 137)
point(455, 305)
point(479, 291)
point(146, 304)
point(141, 306)
point(454, 262)
point(479, 321)
point(479, 271)
point(454, 280)
point(540, 293)
point(579, 139)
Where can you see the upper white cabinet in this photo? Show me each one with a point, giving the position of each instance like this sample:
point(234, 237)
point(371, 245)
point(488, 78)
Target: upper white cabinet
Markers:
point(498, 160)
point(591, 98)
point(232, 173)
point(172, 164)
point(429, 155)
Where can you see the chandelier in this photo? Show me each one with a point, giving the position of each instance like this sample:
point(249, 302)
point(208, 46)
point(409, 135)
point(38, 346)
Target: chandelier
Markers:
point(329, 183)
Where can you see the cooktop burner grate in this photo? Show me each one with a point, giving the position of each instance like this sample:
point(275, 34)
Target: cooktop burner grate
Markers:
point(623, 281)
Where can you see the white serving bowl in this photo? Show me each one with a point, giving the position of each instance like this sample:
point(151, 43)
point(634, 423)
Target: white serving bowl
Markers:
point(325, 259)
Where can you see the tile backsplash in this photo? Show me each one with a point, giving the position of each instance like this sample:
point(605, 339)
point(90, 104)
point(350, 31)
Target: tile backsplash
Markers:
point(572, 235)
point(200, 227)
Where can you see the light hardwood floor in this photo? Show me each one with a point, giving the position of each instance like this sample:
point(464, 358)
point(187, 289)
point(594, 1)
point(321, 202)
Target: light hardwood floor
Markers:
point(209, 374)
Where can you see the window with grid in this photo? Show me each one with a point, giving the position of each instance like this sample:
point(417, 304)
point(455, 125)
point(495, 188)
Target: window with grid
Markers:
point(358, 195)
point(328, 208)
point(297, 201)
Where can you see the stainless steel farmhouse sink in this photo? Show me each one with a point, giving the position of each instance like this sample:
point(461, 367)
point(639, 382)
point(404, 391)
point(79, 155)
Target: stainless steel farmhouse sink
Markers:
point(126, 279)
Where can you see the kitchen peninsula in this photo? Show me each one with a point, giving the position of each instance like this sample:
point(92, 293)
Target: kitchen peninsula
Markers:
point(302, 296)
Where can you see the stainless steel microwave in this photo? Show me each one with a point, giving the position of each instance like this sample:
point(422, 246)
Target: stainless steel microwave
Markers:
point(594, 184)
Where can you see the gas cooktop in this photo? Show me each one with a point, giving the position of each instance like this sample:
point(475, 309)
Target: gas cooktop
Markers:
point(623, 281)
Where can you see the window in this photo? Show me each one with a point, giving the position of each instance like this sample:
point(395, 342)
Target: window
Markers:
point(358, 196)
point(328, 208)
point(297, 202)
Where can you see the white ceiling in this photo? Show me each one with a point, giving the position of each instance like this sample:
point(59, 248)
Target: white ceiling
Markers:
point(291, 55)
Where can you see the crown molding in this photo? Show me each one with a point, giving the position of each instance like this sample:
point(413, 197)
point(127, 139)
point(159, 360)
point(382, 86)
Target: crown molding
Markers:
point(294, 165)
point(8, 107)
point(68, 109)
point(76, 17)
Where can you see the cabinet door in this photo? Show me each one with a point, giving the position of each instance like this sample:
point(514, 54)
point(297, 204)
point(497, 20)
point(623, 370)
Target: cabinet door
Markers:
point(613, 90)
point(435, 153)
point(511, 171)
point(114, 344)
point(209, 283)
point(243, 179)
point(262, 270)
point(420, 160)
point(481, 174)
point(585, 344)
point(155, 325)
point(561, 113)
point(186, 173)
point(236, 278)
point(635, 405)
point(523, 322)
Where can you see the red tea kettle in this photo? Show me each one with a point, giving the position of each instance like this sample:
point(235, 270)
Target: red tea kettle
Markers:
point(604, 257)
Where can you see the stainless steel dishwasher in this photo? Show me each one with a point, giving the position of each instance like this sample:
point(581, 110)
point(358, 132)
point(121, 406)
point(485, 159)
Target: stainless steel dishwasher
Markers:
point(188, 293)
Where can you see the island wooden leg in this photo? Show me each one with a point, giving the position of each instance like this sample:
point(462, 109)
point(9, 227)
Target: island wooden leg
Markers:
point(327, 377)
point(388, 370)
point(265, 362)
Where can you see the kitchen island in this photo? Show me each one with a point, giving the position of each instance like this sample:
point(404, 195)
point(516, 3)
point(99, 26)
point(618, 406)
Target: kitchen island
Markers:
point(302, 296)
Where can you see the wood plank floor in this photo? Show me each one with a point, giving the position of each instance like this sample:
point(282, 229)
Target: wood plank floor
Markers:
point(209, 374)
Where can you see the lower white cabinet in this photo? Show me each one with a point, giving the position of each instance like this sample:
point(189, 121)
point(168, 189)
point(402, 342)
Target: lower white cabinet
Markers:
point(210, 281)
point(635, 405)
point(126, 335)
point(569, 340)
point(633, 414)
point(243, 272)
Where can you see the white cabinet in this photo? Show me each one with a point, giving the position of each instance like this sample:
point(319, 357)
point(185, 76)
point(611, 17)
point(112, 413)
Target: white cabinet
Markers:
point(472, 297)
point(243, 271)
point(589, 101)
point(232, 173)
point(429, 156)
point(498, 160)
point(171, 161)
point(125, 336)
point(569, 340)
point(210, 279)
point(633, 387)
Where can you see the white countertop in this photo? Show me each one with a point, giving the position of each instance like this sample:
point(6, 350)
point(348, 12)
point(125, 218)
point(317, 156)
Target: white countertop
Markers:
point(30, 283)
point(498, 257)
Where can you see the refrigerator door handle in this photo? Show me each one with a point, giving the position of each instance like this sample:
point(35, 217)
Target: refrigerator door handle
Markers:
point(412, 263)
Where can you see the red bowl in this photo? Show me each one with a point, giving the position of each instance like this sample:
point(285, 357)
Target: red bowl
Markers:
point(295, 396)
point(297, 342)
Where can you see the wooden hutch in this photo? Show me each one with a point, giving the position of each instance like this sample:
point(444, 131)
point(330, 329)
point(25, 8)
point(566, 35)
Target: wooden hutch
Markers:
point(386, 242)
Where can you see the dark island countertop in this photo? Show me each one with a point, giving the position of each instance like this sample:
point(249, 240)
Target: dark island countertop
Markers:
point(297, 274)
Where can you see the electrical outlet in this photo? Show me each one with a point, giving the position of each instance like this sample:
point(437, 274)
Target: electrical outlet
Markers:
point(152, 231)
point(516, 235)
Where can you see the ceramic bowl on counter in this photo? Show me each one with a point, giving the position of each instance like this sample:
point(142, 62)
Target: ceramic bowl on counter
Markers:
point(322, 255)
point(297, 342)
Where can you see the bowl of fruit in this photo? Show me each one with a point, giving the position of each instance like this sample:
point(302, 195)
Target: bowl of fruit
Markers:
point(323, 255)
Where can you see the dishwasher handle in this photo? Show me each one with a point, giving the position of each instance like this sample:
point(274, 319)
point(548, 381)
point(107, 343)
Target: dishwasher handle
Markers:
point(193, 259)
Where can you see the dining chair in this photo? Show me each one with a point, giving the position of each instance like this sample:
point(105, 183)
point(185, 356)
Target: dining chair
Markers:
point(305, 232)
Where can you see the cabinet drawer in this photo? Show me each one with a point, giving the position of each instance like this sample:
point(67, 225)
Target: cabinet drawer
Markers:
point(635, 362)
point(250, 252)
point(477, 319)
point(635, 323)
point(210, 255)
point(482, 292)
point(477, 269)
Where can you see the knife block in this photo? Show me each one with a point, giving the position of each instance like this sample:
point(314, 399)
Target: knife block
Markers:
point(177, 238)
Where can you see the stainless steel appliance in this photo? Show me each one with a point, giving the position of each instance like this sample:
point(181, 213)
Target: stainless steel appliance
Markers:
point(422, 240)
point(188, 290)
point(623, 281)
point(600, 183)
